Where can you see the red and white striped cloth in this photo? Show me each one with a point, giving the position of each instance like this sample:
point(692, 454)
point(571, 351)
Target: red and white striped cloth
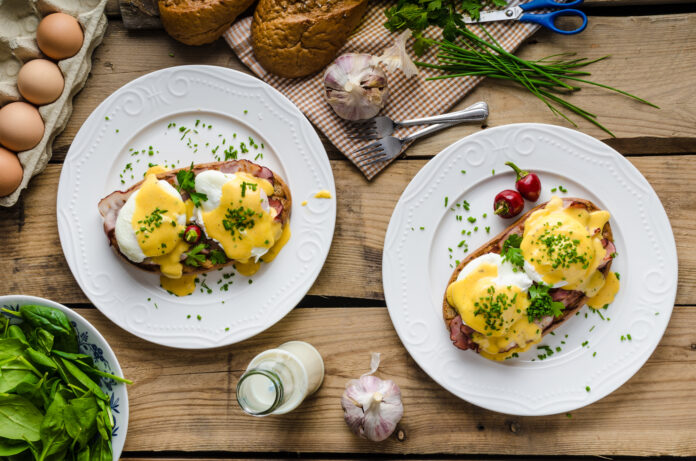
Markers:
point(409, 98)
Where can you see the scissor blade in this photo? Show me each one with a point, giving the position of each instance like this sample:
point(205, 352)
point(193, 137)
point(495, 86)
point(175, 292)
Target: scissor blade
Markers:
point(493, 16)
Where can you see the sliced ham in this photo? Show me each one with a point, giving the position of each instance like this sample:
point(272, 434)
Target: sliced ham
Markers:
point(460, 334)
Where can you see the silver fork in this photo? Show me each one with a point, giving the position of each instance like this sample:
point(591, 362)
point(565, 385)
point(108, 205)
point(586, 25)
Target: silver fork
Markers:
point(389, 147)
point(379, 127)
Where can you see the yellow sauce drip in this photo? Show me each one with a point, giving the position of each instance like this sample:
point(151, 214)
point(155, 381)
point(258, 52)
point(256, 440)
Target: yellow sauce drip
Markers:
point(183, 286)
point(304, 203)
point(247, 269)
point(241, 196)
point(170, 263)
point(511, 327)
point(562, 229)
point(607, 293)
point(323, 194)
point(155, 223)
point(156, 169)
point(275, 249)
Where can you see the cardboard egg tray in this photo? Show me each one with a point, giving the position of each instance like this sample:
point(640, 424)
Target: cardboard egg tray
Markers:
point(18, 22)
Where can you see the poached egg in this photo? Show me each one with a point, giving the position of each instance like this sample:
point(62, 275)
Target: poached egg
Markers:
point(150, 223)
point(237, 215)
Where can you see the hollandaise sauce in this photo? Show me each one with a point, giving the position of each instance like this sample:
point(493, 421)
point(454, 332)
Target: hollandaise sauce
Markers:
point(607, 293)
point(564, 245)
point(243, 223)
point(497, 313)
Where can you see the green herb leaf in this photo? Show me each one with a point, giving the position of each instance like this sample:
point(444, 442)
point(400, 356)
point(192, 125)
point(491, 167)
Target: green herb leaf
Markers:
point(511, 250)
point(194, 257)
point(186, 179)
point(542, 304)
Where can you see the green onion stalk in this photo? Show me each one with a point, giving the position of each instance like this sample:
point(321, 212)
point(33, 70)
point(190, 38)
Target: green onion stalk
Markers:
point(549, 78)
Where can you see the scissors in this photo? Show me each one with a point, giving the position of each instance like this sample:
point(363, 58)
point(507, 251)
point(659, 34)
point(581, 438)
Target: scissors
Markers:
point(519, 13)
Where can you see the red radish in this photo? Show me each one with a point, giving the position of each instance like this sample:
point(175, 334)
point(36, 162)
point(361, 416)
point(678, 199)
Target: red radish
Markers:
point(192, 234)
point(527, 184)
point(508, 203)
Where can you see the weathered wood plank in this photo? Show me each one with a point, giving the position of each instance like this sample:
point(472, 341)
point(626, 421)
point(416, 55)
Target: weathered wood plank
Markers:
point(644, 61)
point(33, 262)
point(185, 400)
point(113, 10)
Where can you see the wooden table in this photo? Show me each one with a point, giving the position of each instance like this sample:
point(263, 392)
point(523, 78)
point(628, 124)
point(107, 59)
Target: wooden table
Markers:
point(183, 403)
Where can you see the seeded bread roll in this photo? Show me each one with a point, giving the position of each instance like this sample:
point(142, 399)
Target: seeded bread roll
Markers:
point(294, 38)
point(197, 22)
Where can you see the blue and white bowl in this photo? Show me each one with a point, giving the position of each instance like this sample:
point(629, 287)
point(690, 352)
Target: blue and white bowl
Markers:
point(92, 343)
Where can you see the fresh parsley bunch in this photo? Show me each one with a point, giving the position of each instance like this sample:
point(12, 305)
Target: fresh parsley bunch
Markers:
point(417, 15)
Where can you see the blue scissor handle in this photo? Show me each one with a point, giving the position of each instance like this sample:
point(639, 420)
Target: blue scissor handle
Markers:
point(541, 4)
point(548, 19)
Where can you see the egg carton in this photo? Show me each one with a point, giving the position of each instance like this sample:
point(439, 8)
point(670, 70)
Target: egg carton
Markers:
point(18, 22)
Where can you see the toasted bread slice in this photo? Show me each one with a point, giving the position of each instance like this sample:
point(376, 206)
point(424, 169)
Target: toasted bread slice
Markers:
point(110, 206)
point(574, 299)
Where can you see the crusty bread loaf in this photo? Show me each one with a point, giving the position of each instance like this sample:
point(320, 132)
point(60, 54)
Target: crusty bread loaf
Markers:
point(294, 38)
point(495, 245)
point(197, 22)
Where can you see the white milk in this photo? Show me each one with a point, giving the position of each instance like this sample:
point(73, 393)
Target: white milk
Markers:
point(278, 380)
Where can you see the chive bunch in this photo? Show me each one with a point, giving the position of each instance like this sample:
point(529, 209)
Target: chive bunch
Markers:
point(549, 79)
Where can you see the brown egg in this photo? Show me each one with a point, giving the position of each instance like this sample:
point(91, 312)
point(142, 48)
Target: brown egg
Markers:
point(10, 172)
point(40, 81)
point(59, 36)
point(21, 126)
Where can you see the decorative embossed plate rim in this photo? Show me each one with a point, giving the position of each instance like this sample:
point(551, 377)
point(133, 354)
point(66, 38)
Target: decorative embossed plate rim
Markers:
point(131, 298)
point(415, 269)
point(92, 343)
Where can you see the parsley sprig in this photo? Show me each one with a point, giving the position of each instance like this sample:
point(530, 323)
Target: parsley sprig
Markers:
point(511, 251)
point(194, 257)
point(542, 304)
point(187, 182)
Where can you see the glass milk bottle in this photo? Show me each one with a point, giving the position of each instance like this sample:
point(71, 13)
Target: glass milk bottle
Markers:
point(278, 380)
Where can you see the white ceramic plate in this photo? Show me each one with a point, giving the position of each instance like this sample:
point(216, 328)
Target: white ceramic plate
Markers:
point(417, 267)
point(92, 343)
point(229, 106)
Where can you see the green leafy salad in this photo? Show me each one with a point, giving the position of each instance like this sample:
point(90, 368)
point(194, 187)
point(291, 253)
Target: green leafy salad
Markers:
point(51, 405)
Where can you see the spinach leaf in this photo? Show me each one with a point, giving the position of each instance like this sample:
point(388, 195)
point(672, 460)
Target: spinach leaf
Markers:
point(15, 332)
point(100, 450)
point(51, 320)
point(40, 359)
point(19, 418)
point(10, 347)
point(44, 340)
point(54, 322)
point(54, 437)
point(12, 447)
point(81, 419)
point(10, 379)
point(83, 455)
point(84, 379)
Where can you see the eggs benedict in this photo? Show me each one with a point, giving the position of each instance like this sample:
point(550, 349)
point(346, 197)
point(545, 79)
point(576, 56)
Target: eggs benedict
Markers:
point(180, 223)
point(525, 282)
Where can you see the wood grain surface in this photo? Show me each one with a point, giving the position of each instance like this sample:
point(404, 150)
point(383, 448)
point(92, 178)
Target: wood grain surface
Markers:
point(355, 258)
point(642, 67)
point(183, 403)
point(185, 400)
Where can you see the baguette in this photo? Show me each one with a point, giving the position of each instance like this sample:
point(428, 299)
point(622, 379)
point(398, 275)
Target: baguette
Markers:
point(110, 206)
point(573, 300)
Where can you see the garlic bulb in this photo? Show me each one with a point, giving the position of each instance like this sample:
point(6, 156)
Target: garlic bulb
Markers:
point(372, 406)
point(355, 85)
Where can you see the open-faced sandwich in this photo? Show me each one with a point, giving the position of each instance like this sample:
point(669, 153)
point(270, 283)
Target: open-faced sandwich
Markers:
point(521, 285)
point(183, 222)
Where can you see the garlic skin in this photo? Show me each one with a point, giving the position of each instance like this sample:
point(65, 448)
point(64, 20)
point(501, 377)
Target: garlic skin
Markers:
point(372, 406)
point(396, 56)
point(355, 86)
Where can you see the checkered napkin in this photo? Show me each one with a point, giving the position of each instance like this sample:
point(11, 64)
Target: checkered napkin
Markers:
point(409, 98)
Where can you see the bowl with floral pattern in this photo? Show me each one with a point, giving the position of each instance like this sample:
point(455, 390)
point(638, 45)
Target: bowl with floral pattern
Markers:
point(92, 343)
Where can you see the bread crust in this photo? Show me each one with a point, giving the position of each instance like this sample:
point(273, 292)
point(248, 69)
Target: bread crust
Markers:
point(295, 38)
point(495, 246)
point(281, 192)
point(198, 22)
